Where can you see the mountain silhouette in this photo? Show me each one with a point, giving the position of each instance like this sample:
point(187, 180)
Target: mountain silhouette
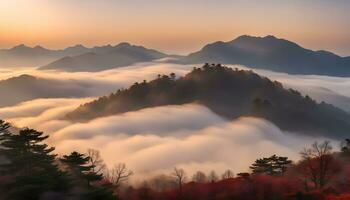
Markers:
point(274, 54)
point(26, 87)
point(106, 57)
point(24, 56)
point(267, 52)
point(230, 93)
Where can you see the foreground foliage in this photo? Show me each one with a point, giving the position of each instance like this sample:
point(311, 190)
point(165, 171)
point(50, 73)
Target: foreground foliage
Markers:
point(30, 171)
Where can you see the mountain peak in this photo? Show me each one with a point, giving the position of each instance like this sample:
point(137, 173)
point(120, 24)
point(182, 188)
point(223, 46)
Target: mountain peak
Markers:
point(38, 47)
point(78, 46)
point(21, 46)
point(123, 44)
point(270, 37)
point(243, 38)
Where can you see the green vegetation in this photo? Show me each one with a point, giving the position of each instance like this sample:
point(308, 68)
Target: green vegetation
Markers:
point(230, 93)
point(274, 165)
point(29, 170)
point(30, 165)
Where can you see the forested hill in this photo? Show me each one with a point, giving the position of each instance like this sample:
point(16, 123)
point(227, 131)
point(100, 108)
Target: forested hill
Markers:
point(230, 93)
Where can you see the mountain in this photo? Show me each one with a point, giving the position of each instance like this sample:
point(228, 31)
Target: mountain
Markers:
point(273, 54)
point(24, 56)
point(230, 93)
point(26, 87)
point(107, 57)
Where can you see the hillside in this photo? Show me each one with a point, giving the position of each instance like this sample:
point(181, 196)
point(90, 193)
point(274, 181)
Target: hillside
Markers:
point(273, 54)
point(26, 87)
point(230, 93)
point(105, 58)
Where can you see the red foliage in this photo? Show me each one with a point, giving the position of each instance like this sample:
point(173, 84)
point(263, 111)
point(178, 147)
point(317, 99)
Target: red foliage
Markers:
point(290, 186)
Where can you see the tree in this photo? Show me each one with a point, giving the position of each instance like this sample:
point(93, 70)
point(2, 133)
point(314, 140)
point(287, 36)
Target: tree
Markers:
point(172, 76)
point(30, 164)
point(180, 176)
point(96, 161)
point(118, 174)
point(199, 177)
point(4, 126)
point(243, 175)
point(318, 164)
point(273, 165)
point(213, 177)
point(345, 147)
point(227, 174)
point(81, 170)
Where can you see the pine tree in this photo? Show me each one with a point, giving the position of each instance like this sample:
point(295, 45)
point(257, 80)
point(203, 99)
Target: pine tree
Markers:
point(84, 174)
point(273, 165)
point(80, 169)
point(29, 164)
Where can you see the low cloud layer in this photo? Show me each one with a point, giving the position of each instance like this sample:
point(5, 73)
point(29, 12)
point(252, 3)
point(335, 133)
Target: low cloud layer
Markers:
point(154, 140)
point(333, 90)
point(151, 143)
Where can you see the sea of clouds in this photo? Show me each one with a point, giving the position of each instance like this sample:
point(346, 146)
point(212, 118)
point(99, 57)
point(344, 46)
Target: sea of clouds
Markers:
point(155, 140)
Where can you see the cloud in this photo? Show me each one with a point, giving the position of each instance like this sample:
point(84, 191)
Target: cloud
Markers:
point(41, 114)
point(158, 144)
point(333, 90)
point(154, 140)
point(159, 121)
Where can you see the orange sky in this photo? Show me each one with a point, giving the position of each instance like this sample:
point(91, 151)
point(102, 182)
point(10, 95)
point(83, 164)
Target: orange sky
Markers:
point(173, 26)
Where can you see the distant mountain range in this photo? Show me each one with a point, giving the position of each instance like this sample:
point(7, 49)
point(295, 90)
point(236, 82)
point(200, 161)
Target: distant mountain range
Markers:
point(77, 58)
point(267, 52)
point(26, 87)
point(230, 93)
point(273, 54)
point(24, 56)
point(107, 57)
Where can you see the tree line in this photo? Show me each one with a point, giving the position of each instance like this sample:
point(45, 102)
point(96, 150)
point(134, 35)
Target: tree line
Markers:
point(30, 170)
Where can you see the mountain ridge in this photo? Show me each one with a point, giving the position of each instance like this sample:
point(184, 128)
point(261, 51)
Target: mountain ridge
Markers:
point(267, 52)
point(231, 93)
point(25, 56)
point(106, 57)
point(28, 87)
point(271, 53)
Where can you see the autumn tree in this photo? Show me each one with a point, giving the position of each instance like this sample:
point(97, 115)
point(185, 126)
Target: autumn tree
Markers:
point(317, 164)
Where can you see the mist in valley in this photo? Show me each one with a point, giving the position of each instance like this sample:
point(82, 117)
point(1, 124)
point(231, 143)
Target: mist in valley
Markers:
point(154, 140)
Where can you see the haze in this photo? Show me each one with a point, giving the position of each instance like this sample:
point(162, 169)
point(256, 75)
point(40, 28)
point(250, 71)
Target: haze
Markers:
point(168, 25)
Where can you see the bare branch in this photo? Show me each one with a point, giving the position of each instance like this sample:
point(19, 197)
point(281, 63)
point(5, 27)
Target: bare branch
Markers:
point(119, 173)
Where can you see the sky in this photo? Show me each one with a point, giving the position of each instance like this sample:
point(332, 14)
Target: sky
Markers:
point(173, 26)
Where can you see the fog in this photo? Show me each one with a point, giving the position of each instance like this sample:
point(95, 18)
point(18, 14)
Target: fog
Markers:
point(155, 140)
point(332, 90)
